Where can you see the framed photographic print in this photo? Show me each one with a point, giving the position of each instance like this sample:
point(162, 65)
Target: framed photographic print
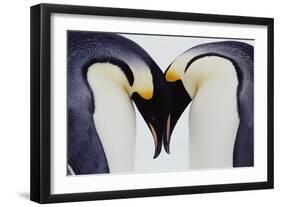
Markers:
point(132, 103)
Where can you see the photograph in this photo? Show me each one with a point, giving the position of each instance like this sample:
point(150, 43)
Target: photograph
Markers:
point(156, 103)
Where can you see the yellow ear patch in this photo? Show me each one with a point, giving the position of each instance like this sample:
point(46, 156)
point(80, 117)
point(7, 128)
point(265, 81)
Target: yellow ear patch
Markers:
point(172, 76)
point(146, 94)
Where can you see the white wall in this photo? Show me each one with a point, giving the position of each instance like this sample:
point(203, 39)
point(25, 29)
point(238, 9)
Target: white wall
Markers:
point(14, 110)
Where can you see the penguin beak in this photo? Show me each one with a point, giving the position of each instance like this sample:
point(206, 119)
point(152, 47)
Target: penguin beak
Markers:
point(157, 137)
point(179, 101)
point(155, 112)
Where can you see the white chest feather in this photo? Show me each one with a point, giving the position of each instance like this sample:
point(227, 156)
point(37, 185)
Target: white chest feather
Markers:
point(114, 117)
point(213, 117)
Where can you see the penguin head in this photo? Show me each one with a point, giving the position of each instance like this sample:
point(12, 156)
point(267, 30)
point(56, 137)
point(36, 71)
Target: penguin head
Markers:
point(153, 102)
point(183, 77)
point(180, 99)
point(151, 96)
point(145, 84)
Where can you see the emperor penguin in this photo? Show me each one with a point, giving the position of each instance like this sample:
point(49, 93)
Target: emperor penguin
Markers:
point(106, 73)
point(217, 79)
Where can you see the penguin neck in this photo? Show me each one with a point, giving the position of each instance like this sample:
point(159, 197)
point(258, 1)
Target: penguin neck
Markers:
point(213, 119)
point(114, 116)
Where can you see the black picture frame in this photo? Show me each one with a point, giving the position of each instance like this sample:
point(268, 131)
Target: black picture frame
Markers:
point(41, 96)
